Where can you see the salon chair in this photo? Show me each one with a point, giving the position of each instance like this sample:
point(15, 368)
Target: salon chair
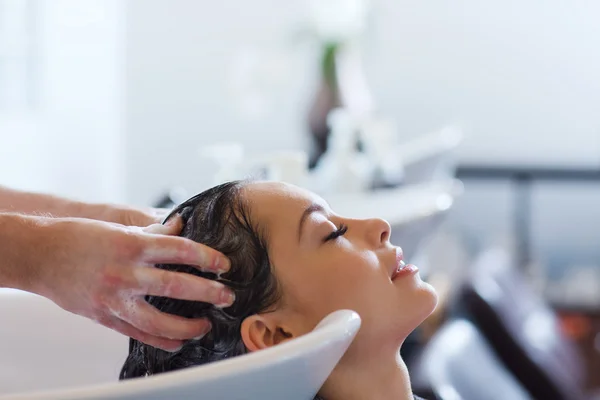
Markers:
point(458, 364)
point(49, 354)
point(522, 329)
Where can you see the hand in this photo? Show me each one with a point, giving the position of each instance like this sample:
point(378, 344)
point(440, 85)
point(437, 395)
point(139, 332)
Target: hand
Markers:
point(132, 216)
point(102, 271)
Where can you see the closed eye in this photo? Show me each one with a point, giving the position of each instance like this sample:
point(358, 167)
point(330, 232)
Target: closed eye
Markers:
point(337, 233)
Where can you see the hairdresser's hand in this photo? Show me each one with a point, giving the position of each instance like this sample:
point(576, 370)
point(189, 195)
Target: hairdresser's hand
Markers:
point(102, 271)
point(132, 216)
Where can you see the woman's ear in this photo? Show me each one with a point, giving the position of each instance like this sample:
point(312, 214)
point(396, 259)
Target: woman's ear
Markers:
point(263, 331)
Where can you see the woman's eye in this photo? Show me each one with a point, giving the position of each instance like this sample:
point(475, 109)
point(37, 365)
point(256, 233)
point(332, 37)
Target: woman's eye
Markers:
point(337, 233)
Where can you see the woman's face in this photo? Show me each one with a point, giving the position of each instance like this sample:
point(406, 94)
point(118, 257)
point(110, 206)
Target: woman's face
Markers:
point(325, 262)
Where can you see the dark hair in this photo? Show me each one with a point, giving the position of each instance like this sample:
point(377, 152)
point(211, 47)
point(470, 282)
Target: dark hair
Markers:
point(219, 218)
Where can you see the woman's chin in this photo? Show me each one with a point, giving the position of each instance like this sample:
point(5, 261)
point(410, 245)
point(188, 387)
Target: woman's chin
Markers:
point(430, 295)
point(428, 302)
point(424, 302)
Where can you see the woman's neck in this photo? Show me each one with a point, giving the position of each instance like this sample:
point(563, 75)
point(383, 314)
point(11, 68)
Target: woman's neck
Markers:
point(374, 377)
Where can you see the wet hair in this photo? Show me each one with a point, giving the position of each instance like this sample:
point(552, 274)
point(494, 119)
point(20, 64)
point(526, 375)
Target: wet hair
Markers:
point(219, 218)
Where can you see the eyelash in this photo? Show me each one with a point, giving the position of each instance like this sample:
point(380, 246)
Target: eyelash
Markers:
point(337, 233)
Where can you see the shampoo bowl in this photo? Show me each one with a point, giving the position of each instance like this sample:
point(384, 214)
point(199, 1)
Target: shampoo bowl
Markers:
point(49, 354)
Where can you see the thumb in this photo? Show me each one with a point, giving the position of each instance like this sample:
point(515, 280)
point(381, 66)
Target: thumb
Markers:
point(172, 227)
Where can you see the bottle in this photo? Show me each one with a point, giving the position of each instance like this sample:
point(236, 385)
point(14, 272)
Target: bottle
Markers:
point(326, 99)
point(340, 26)
point(342, 169)
point(380, 143)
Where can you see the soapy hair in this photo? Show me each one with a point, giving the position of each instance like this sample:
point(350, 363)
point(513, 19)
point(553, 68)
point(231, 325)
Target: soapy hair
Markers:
point(218, 218)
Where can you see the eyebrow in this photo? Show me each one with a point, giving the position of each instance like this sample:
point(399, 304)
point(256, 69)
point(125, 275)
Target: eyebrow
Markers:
point(309, 210)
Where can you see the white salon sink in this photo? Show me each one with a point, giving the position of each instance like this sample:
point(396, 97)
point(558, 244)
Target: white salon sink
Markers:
point(413, 211)
point(431, 156)
point(44, 347)
point(49, 354)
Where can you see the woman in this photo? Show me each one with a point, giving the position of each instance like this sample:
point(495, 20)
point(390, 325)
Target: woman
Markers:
point(294, 261)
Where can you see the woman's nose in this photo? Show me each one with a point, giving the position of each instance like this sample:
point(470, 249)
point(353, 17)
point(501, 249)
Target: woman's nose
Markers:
point(379, 231)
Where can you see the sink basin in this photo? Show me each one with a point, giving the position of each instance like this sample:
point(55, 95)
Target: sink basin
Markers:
point(48, 353)
point(413, 211)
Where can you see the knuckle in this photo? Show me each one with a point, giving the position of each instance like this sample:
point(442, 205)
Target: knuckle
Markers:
point(172, 284)
point(185, 247)
point(193, 328)
point(133, 248)
point(151, 325)
point(128, 246)
point(209, 258)
point(215, 292)
point(139, 336)
point(110, 278)
point(183, 250)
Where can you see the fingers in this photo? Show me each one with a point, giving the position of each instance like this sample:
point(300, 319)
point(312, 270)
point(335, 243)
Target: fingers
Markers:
point(172, 227)
point(162, 247)
point(131, 331)
point(149, 320)
point(176, 285)
point(159, 249)
point(162, 213)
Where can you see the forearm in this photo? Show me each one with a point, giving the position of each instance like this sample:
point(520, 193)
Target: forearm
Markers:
point(38, 204)
point(16, 201)
point(22, 249)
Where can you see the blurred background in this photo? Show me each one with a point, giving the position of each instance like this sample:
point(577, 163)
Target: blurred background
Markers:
point(133, 101)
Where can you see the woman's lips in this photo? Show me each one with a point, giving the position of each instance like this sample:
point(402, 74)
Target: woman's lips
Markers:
point(402, 268)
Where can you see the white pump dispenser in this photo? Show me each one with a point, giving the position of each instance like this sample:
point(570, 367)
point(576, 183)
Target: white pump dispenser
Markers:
point(342, 168)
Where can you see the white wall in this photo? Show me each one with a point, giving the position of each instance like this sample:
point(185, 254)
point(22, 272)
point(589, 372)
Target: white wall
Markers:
point(510, 72)
point(520, 76)
point(181, 61)
point(70, 144)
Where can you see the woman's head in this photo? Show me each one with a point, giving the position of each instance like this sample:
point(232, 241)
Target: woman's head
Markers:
point(293, 261)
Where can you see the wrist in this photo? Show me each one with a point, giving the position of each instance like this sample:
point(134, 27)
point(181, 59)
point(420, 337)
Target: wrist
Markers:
point(117, 213)
point(23, 248)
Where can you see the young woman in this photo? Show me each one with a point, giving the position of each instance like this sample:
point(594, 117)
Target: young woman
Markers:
point(294, 261)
